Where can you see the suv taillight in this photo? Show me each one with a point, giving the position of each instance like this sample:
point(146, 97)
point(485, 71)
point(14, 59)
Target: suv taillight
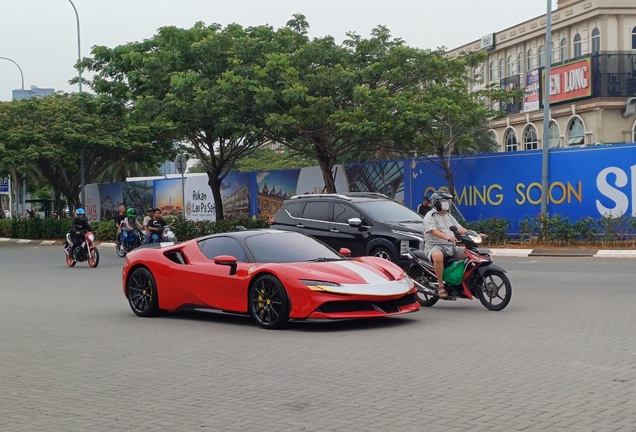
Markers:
point(272, 219)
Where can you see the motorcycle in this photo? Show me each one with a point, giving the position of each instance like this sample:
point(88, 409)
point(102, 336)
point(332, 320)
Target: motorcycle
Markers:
point(131, 242)
point(168, 235)
point(87, 251)
point(481, 278)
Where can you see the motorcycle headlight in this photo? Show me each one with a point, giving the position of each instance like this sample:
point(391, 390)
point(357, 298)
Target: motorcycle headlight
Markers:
point(91, 237)
point(475, 238)
point(318, 285)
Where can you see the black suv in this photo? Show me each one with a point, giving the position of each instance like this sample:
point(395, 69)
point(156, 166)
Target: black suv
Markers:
point(363, 222)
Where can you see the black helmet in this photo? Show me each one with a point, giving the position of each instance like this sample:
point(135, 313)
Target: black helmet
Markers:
point(438, 197)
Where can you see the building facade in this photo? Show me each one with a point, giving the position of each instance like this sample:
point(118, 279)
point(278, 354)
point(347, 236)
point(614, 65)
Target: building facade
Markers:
point(34, 92)
point(592, 79)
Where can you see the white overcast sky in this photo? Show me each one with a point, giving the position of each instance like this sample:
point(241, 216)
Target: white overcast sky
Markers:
point(41, 35)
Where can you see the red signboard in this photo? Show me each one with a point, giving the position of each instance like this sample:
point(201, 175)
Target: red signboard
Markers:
point(569, 81)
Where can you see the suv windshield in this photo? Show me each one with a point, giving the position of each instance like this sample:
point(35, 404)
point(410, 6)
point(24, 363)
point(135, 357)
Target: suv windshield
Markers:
point(286, 247)
point(388, 211)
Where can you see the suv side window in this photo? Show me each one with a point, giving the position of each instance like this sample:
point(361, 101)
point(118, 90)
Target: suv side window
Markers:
point(342, 213)
point(317, 210)
point(295, 209)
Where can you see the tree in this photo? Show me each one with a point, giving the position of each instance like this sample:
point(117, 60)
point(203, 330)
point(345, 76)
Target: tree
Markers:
point(50, 133)
point(331, 102)
point(445, 116)
point(202, 81)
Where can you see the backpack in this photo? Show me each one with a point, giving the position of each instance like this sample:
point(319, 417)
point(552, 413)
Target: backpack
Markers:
point(454, 274)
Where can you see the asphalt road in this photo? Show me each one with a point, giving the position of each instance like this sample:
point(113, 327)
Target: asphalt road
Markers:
point(73, 357)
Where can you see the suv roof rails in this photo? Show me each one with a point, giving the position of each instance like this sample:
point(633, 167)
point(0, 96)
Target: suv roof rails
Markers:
point(321, 196)
point(345, 196)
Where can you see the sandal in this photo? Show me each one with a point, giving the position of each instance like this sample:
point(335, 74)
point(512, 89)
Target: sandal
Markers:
point(441, 292)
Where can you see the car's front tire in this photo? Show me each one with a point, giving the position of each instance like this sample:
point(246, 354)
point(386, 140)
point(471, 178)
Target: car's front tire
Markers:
point(141, 290)
point(384, 253)
point(269, 303)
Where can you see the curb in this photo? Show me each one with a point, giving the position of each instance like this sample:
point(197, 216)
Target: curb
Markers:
point(518, 253)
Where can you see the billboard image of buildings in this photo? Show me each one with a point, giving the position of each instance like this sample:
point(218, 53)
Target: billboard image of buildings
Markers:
point(274, 187)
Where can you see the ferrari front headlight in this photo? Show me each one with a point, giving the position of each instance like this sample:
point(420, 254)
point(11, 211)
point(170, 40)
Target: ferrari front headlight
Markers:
point(318, 285)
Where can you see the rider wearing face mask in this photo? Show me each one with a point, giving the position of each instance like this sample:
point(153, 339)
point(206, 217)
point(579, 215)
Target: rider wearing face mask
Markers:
point(439, 239)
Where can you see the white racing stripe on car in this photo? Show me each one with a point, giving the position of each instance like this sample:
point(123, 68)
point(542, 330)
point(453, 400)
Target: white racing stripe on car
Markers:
point(375, 283)
point(369, 276)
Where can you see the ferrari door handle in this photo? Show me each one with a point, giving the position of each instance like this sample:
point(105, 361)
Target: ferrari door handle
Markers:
point(334, 230)
point(300, 225)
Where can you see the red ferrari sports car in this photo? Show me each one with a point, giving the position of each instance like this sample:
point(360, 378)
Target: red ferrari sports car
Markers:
point(272, 275)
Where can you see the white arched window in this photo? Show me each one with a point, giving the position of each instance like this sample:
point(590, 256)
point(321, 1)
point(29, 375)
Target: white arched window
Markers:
point(500, 68)
point(530, 139)
point(519, 63)
point(511, 66)
point(541, 56)
point(596, 41)
point(529, 61)
point(564, 50)
point(576, 132)
point(634, 39)
point(510, 140)
point(578, 46)
point(492, 71)
point(554, 134)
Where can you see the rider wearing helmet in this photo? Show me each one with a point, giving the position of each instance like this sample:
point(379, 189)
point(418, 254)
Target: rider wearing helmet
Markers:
point(79, 227)
point(439, 239)
point(129, 224)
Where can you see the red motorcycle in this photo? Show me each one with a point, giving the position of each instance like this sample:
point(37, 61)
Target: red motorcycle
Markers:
point(481, 278)
point(87, 251)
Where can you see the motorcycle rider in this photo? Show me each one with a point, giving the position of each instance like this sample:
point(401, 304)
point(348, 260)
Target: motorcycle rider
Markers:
point(148, 218)
point(118, 221)
point(155, 226)
point(129, 224)
point(79, 227)
point(439, 239)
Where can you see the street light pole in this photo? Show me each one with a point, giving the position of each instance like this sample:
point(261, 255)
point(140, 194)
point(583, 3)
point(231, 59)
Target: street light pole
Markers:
point(21, 74)
point(545, 165)
point(79, 58)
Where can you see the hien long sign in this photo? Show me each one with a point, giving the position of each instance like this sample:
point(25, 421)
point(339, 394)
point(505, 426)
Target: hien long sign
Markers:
point(569, 82)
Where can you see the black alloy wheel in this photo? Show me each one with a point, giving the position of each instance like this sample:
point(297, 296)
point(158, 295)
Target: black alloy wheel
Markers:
point(141, 290)
point(424, 299)
point(268, 303)
point(494, 290)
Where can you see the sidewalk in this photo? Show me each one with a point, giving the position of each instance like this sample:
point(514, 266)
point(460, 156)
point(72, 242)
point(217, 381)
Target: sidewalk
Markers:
point(502, 252)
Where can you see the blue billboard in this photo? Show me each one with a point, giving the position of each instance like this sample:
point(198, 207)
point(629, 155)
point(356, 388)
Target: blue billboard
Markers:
point(588, 181)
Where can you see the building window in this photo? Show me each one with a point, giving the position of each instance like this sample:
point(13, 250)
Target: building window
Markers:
point(530, 140)
point(554, 135)
point(578, 48)
point(519, 63)
point(576, 132)
point(510, 140)
point(500, 68)
point(492, 71)
point(634, 39)
point(552, 55)
point(596, 41)
point(541, 57)
point(564, 49)
point(529, 62)
point(511, 66)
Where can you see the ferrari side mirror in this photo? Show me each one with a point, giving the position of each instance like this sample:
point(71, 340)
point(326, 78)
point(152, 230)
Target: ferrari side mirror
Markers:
point(226, 260)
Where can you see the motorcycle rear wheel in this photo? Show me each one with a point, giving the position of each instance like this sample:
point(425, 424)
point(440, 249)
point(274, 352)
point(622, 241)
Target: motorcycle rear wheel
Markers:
point(93, 258)
point(426, 300)
point(120, 249)
point(494, 290)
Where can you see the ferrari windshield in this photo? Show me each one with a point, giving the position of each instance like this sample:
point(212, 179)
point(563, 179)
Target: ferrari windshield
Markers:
point(388, 211)
point(286, 247)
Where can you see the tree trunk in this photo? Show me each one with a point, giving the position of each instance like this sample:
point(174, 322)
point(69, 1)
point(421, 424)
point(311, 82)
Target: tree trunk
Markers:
point(447, 172)
point(215, 185)
point(326, 165)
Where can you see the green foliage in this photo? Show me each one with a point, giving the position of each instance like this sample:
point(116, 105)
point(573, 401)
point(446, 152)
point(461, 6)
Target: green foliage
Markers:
point(34, 228)
point(495, 228)
point(106, 230)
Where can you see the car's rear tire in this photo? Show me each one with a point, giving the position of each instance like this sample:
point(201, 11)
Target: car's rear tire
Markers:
point(268, 303)
point(384, 253)
point(141, 290)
